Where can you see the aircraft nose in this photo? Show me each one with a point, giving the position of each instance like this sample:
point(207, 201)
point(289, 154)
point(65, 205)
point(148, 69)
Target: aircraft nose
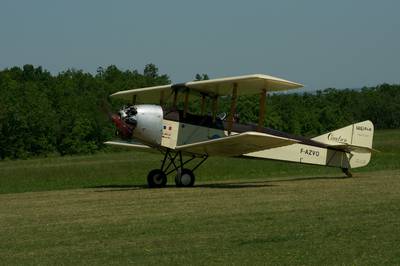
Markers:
point(128, 115)
point(124, 124)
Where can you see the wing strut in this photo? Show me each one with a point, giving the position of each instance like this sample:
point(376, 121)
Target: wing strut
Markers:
point(261, 114)
point(175, 101)
point(161, 98)
point(203, 104)
point(233, 108)
point(186, 104)
point(214, 108)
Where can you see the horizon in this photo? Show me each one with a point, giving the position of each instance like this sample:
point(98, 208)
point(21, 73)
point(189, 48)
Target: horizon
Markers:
point(140, 71)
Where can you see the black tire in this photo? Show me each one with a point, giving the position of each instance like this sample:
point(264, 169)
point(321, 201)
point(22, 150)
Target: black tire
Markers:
point(184, 178)
point(156, 178)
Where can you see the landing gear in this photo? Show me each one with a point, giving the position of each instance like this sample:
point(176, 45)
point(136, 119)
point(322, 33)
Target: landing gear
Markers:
point(156, 178)
point(347, 172)
point(184, 176)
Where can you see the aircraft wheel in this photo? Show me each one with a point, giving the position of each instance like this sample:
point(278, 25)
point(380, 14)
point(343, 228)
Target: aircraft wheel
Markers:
point(184, 178)
point(156, 178)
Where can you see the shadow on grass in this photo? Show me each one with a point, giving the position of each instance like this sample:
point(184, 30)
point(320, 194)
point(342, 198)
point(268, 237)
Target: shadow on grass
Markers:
point(220, 185)
point(117, 187)
point(263, 183)
point(235, 185)
point(308, 178)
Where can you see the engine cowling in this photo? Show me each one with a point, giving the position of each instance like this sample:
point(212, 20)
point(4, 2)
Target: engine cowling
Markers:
point(143, 122)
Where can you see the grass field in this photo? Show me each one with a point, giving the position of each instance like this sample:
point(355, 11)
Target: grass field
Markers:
point(95, 210)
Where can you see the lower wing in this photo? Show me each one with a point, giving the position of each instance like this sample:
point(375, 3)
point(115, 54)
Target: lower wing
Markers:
point(131, 145)
point(236, 145)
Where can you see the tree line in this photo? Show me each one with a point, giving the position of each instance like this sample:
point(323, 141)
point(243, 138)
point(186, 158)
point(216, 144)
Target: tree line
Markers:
point(43, 114)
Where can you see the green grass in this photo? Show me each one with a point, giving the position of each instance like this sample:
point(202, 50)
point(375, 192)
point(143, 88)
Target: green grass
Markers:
point(308, 221)
point(241, 212)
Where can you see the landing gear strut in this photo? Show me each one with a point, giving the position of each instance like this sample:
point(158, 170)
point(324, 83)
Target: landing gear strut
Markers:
point(173, 162)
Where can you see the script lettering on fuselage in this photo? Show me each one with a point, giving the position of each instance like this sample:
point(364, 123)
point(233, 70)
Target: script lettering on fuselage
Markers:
point(309, 152)
point(335, 138)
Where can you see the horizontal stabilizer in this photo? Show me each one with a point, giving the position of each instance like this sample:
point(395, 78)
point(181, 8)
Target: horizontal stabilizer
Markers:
point(236, 145)
point(353, 148)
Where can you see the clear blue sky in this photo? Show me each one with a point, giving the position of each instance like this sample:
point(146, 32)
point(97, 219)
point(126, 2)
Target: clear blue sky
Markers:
point(321, 44)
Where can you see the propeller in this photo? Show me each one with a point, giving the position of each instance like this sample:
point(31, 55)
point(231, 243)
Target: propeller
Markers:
point(124, 121)
point(124, 129)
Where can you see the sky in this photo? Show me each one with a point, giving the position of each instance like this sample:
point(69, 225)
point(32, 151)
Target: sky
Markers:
point(321, 44)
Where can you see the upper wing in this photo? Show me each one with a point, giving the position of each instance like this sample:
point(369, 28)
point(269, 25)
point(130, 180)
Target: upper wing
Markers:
point(236, 145)
point(249, 84)
point(146, 95)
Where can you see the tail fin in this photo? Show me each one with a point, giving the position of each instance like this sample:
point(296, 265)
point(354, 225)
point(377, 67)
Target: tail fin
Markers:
point(355, 139)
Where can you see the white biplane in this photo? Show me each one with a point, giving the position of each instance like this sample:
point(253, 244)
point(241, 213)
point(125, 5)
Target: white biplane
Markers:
point(153, 122)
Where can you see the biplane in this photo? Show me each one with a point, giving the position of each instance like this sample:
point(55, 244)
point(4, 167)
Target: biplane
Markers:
point(157, 119)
